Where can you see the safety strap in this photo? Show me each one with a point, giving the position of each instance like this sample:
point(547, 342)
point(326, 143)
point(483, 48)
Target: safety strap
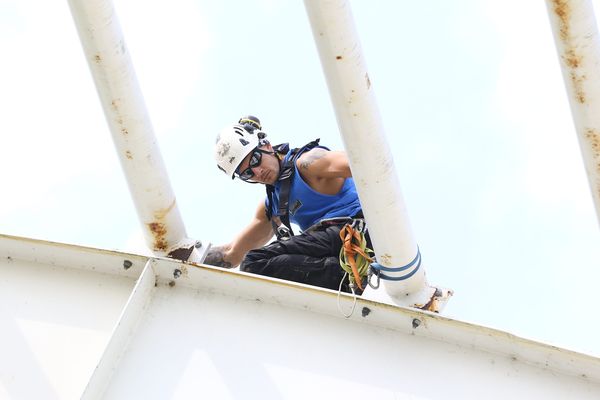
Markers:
point(280, 149)
point(288, 169)
point(287, 173)
point(376, 269)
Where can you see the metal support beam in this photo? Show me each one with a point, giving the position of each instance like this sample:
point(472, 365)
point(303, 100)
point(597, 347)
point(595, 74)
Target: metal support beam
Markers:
point(122, 333)
point(576, 36)
point(113, 73)
point(371, 161)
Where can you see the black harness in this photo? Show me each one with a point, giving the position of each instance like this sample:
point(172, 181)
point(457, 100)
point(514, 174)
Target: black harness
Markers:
point(286, 176)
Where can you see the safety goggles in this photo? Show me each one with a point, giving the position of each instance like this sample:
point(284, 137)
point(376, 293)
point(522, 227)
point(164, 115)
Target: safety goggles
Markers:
point(255, 160)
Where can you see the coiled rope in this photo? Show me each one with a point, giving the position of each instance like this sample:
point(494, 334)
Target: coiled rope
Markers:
point(354, 254)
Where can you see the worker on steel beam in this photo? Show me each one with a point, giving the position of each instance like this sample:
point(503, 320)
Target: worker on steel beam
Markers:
point(309, 186)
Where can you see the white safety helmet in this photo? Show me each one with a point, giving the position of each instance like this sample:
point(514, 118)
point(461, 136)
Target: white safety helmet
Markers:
point(233, 144)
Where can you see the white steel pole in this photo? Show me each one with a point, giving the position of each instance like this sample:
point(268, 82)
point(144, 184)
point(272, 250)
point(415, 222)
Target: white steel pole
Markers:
point(113, 73)
point(368, 152)
point(578, 46)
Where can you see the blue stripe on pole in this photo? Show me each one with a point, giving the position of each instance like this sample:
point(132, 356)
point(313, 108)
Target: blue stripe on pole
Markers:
point(378, 267)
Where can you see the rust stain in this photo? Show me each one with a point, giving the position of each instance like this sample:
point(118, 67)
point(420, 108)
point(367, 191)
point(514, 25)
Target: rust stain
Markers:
point(386, 259)
point(115, 106)
point(97, 58)
point(338, 57)
point(128, 155)
point(563, 12)
point(368, 81)
point(182, 253)
point(159, 231)
point(120, 121)
point(432, 305)
point(160, 214)
point(593, 138)
point(571, 58)
point(577, 81)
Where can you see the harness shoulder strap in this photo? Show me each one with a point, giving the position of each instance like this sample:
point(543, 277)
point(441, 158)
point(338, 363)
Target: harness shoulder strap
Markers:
point(285, 177)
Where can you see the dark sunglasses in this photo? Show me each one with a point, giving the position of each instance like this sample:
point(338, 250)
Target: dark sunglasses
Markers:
point(255, 160)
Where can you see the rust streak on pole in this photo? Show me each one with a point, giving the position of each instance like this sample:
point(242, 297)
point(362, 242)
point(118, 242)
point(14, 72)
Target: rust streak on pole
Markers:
point(575, 33)
point(132, 132)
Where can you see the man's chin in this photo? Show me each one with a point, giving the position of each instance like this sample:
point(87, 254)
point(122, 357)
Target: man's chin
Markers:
point(268, 178)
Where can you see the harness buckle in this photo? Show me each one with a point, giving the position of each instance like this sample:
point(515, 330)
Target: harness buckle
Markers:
point(283, 233)
point(359, 225)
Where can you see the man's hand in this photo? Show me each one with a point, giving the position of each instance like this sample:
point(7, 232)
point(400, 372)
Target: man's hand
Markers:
point(216, 256)
point(254, 236)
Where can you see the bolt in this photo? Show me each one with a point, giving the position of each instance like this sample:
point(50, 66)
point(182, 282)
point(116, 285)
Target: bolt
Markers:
point(176, 273)
point(198, 244)
point(366, 311)
point(415, 323)
point(127, 264)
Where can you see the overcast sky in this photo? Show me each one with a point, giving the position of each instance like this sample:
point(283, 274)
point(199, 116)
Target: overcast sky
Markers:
point(472, 101)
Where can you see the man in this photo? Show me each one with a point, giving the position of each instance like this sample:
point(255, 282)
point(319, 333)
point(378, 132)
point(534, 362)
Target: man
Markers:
point(311, 187)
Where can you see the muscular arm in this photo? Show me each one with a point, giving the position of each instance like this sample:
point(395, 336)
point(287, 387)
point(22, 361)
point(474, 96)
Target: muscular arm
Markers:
point(325, 164)
point(255, 235)
point(325, 171)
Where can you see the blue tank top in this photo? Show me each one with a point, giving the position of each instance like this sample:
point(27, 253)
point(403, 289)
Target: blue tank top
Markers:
point(307, 206)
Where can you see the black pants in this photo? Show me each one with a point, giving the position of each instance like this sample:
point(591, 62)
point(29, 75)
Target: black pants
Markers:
point(311, 258)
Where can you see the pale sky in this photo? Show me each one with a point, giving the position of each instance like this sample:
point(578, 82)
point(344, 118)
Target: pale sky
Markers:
point(472, 101)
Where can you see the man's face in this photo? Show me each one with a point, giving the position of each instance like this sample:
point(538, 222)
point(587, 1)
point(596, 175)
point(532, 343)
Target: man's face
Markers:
point(267, 171)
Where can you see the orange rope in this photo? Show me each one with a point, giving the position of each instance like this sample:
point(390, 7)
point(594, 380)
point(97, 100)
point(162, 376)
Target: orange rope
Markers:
point(351, 249)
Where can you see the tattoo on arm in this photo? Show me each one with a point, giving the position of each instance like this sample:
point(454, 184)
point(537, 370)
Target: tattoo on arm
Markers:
point(216, 256)
point(311, 157)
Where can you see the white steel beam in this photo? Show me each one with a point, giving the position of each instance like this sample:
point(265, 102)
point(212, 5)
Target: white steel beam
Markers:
point(576, 36)
point(206, 308)
point(114, 76)
point(369, 154)
point(124, 330)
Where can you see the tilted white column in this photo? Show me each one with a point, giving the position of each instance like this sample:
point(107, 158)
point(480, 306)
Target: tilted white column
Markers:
point(109, 61)
point(578, 45)
point(369, 154)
